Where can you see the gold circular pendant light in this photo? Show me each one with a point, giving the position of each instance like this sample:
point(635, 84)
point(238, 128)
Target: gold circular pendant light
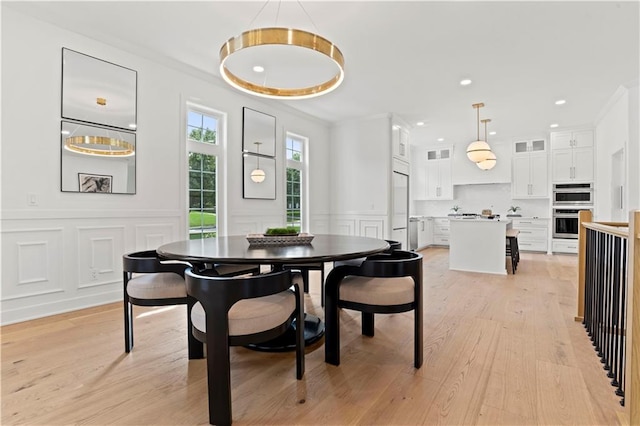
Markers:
point(99, 145)
point(312, 43)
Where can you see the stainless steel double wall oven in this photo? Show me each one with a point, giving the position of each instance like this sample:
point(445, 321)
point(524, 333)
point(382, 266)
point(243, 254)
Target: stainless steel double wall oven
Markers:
point(568, 200)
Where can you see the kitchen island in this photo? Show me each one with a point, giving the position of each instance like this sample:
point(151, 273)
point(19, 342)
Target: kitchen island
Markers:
point(478, 245)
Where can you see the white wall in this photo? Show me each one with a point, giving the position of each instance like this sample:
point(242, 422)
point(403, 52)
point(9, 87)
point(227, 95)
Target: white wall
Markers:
point(360, 176)
point(475, 198)
point(65, 252)
point(617, 129)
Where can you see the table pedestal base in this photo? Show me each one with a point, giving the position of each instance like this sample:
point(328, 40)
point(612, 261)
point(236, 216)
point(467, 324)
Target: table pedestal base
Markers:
point(313, 331)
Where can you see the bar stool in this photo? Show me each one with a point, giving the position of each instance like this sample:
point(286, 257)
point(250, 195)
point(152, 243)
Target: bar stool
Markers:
point(512, 249)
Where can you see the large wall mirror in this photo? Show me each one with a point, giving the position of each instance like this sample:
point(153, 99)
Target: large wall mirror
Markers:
point(96, 91)
point(98, 148)
point(97, 159)
point(258, 132)
point(258, 158)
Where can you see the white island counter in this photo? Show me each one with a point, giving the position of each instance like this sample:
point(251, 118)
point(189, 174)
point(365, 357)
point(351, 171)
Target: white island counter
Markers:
point(478, 245)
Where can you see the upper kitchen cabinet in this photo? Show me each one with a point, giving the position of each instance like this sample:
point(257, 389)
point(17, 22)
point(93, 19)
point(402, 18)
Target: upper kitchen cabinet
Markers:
point(400, 142)
point(433, 174)
point(572, 156)
point(529, 169)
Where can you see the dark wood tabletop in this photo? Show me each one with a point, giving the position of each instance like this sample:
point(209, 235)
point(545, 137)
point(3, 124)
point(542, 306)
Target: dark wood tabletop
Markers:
point(236, 249)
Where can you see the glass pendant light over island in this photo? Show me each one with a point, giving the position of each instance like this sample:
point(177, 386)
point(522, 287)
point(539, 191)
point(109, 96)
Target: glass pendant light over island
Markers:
point(478, 150)
point(490, 162)
point(258, 175)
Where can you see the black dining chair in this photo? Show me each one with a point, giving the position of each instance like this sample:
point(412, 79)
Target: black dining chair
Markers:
point(149, 281)
point(383, 284)
point(233, 311)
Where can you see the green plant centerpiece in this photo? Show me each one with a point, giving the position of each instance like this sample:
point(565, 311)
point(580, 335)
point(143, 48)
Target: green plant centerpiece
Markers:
point(455, 209)
point(281, 231)
point(513, 211)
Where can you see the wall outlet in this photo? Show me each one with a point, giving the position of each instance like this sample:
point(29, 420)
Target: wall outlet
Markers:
point(94, 274)
point(32, 199)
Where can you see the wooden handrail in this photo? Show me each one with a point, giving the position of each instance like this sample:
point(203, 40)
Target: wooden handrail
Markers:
point(621, 230)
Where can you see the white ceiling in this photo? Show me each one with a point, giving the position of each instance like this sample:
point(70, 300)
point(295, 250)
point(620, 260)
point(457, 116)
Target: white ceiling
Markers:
point(407, 57)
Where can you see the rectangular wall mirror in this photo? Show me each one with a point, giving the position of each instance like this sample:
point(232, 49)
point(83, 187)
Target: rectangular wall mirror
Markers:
point(97, 159)
point(96, 91)
point(259, 177)
point(258, 132)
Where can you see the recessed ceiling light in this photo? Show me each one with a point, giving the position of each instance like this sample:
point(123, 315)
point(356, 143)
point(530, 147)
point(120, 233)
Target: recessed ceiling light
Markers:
point(554, 125)
point(465, 82)
point(258, 68)
point(492, 133)
point(561, 102)
point(420, 123)
point(65, 132)
point(440, 139)
point(133, 125)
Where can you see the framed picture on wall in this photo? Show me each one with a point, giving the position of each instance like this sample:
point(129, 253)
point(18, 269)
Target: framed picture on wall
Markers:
point(94, 183)
point(258, 133)
point(259, 177)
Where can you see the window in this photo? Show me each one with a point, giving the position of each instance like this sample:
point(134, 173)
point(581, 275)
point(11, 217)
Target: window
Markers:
point(295, 173)
point(204, 154)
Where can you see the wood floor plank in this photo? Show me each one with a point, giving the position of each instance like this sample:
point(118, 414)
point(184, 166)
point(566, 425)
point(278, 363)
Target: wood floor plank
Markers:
point(562, 396)
point(498, 350)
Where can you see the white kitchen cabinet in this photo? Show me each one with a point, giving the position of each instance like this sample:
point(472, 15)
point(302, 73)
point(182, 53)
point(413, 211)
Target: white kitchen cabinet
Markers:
point(529, 170)
point(441, 231)
point(425, 232)
point(565, 246)
point(439, 185)
point(400, 142)
point(572, 139)
point(572, 156)
point(534, 233)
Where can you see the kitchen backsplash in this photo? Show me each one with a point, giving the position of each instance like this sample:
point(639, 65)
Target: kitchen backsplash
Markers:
point(475, 198)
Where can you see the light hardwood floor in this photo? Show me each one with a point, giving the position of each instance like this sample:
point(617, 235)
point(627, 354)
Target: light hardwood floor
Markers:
point(499, 350)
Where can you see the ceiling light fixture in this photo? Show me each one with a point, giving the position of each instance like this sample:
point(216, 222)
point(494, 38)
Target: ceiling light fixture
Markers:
point(478, 150)
point(420, 123)
point(490, 162)
point(554, 125)
point(440, 139)
point(321, 63)
point(561, 102)
point(258, 175)
point(465, 82)
point(99, 145)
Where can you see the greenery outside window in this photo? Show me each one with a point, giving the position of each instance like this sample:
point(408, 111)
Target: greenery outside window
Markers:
point(295, 169)
point(203, 129)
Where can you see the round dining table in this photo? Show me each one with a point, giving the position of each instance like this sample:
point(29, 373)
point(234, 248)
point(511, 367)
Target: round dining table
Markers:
point(237, 250)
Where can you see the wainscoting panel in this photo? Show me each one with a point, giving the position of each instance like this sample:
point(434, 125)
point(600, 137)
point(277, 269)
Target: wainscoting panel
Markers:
point(372, 228)
point(31, 262)
point(100, 251)
point(152, 236)
point(345, 226)
point(52, 264)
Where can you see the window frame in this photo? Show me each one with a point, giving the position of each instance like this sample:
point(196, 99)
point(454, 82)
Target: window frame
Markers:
point(217, 150)
point(303, 167)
